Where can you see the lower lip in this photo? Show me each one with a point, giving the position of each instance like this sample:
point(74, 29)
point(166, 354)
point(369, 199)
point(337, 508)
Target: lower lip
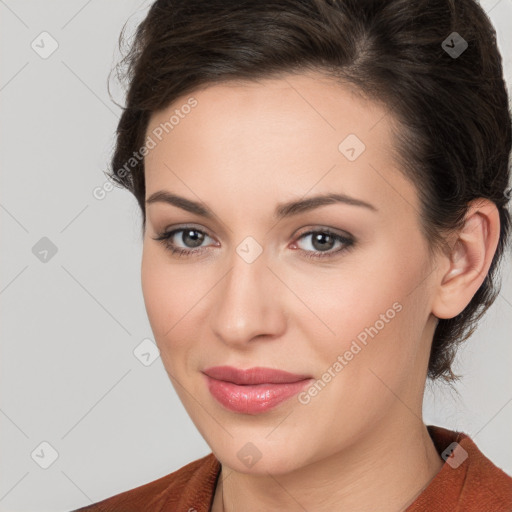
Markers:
point(253, 399)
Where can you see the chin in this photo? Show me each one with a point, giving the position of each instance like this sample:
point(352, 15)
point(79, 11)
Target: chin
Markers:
point(259, 457)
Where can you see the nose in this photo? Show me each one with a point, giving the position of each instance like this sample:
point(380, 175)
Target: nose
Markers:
point(248, 303)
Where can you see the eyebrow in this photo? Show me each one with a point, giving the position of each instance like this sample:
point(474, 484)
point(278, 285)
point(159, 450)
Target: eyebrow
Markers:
point(282, 210)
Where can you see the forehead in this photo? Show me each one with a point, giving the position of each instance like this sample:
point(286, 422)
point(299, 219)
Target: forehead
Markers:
point(288, 101)
point(280, 136)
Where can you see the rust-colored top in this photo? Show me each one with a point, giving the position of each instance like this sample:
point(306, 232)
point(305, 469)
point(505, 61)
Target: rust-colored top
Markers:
point(465, 483)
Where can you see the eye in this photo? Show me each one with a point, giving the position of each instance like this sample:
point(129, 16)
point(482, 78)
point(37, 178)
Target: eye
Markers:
point(190, 236)
point(322, 241)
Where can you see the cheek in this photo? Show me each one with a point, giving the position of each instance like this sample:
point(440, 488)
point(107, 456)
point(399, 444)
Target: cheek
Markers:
point(162, 292)
point(170, 294)
point(160, 302)
point(367, 311)
point(153, 291)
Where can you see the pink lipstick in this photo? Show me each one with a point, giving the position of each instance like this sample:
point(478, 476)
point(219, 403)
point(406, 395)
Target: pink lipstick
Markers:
point(254, 390)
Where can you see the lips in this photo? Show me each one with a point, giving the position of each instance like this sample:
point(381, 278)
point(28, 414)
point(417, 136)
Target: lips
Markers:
point(255, 375)
point(255, 390)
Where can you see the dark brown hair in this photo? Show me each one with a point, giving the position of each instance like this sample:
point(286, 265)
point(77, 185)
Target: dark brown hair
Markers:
point(453, 135)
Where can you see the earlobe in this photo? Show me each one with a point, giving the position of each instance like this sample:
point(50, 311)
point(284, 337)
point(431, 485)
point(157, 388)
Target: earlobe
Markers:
point(469, 260)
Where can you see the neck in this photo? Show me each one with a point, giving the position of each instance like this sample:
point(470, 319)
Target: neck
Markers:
point(385, 471)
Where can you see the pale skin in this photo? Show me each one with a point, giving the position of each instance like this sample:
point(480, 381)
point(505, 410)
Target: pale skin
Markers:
point(360, 444)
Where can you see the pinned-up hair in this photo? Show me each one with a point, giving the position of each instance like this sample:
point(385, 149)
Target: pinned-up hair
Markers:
point(434, 64)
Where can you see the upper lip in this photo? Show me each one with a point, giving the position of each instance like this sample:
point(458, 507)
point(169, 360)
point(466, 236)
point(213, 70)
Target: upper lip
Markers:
point(255, 375)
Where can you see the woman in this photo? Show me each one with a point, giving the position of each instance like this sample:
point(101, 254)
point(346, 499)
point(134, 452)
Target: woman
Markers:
point(323, 186)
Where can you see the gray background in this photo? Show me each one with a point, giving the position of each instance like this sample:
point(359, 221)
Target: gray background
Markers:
point(70, 325)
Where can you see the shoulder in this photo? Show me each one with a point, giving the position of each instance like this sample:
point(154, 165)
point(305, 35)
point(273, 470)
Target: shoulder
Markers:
point(192, 486)
point(485, 482)
point(467, 481)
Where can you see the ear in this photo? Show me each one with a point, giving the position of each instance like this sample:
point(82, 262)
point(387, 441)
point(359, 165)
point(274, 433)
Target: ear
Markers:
point(466, 265)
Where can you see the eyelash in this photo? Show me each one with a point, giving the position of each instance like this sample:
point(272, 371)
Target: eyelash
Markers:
point(166, 236)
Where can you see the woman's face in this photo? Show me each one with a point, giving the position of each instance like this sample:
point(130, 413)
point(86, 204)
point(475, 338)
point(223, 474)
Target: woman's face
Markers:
point(355, 316)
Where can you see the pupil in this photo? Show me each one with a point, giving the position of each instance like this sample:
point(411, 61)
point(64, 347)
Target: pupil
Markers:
point(197, 240)
point(319, 237)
